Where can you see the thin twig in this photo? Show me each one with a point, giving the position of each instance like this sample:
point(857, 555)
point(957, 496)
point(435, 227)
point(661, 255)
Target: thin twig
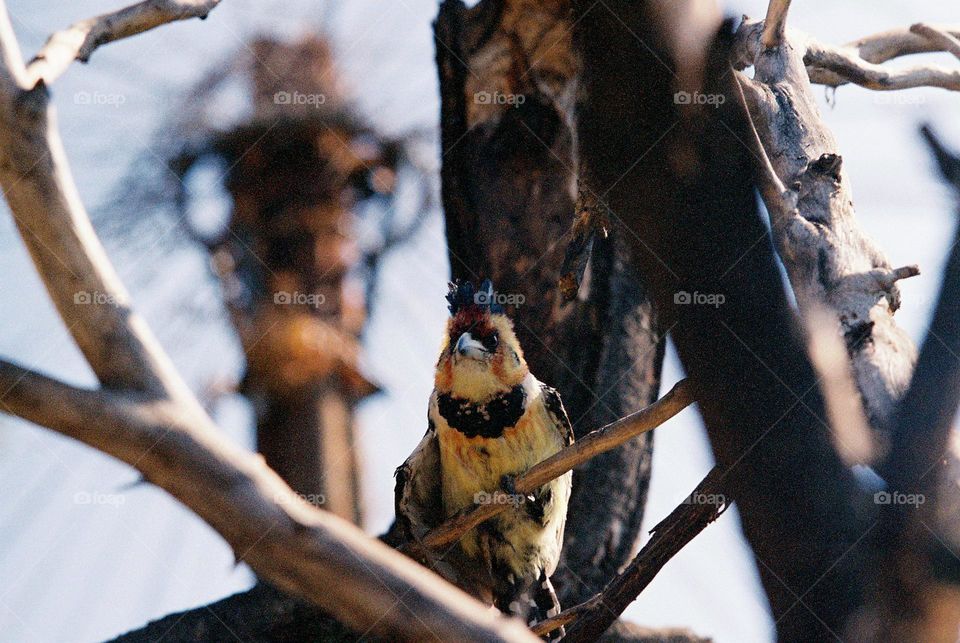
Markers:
point(592, 617)
point(79, 41)
point(589, 446)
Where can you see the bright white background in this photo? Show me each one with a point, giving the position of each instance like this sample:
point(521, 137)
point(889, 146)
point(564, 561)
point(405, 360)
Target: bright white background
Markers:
point(84, 572)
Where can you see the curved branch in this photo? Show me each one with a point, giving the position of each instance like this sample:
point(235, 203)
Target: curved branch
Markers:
point(849, 66)
point(79, 40)
point(940, 38)
point(859, 62)
point(887, 45)
point(300, 549)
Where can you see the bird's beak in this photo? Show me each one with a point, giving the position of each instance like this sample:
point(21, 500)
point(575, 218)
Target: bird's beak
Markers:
point(467, 346)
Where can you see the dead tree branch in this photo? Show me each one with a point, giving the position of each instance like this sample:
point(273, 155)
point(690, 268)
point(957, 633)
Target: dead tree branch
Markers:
point(775, 23)
point(860, 62)
point(303, 550)
point(78, 41)
point(938, 38)
point(829, 258)
point(590, 619)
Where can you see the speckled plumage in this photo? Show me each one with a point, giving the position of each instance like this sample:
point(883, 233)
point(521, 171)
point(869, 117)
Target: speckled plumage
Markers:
point(492, 418)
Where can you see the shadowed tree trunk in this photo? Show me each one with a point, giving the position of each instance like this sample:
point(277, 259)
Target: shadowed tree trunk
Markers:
point(508, 194)
point(691, 202)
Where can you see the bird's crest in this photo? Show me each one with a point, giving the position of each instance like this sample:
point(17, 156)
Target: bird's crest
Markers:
point(463, 297)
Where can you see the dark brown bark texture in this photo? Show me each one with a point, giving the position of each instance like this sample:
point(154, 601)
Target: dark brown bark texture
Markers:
point(260, 615)
point(680, 179)
point(507, 182)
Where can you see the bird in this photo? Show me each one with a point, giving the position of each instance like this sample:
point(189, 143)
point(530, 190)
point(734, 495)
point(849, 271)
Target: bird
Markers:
point(493, 420)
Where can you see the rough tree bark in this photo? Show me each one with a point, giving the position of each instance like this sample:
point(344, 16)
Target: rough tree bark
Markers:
point(692, 208)
point(508, 183)
point(830, 260)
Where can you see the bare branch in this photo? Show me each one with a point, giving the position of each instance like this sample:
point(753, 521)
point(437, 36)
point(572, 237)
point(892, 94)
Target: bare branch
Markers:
point(887, 45)
point(304, 551)
point(54, 225)
point(592, 618)
point(851, 67)
point(859, 62)
point(79, 41)
point(587, 447)
point(775, 23)
point(938, 37)
point(854, 278)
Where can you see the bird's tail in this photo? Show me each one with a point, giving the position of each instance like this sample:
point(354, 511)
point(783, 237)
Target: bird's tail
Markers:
point(546, 604)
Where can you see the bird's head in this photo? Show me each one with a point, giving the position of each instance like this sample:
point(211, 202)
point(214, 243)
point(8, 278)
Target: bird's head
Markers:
point(481, 356)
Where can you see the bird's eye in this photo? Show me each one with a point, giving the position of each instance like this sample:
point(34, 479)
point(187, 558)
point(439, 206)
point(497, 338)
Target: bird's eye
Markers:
point(490, 342)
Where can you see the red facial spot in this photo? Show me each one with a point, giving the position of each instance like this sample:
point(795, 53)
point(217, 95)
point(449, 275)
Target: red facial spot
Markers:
point(471, 319)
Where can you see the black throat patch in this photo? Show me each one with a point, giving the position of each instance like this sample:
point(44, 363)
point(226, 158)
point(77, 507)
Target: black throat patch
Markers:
point(488, 420)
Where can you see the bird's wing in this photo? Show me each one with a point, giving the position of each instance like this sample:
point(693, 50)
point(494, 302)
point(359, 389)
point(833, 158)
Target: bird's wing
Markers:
point(557, 413)
point(417, 494)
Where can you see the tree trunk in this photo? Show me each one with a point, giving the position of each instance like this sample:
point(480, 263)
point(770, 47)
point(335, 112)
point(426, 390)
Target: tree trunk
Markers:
point(292, 174)
point(508, 178)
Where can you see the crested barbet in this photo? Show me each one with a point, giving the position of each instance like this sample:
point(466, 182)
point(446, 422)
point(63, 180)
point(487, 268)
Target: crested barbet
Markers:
point(493, 420)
